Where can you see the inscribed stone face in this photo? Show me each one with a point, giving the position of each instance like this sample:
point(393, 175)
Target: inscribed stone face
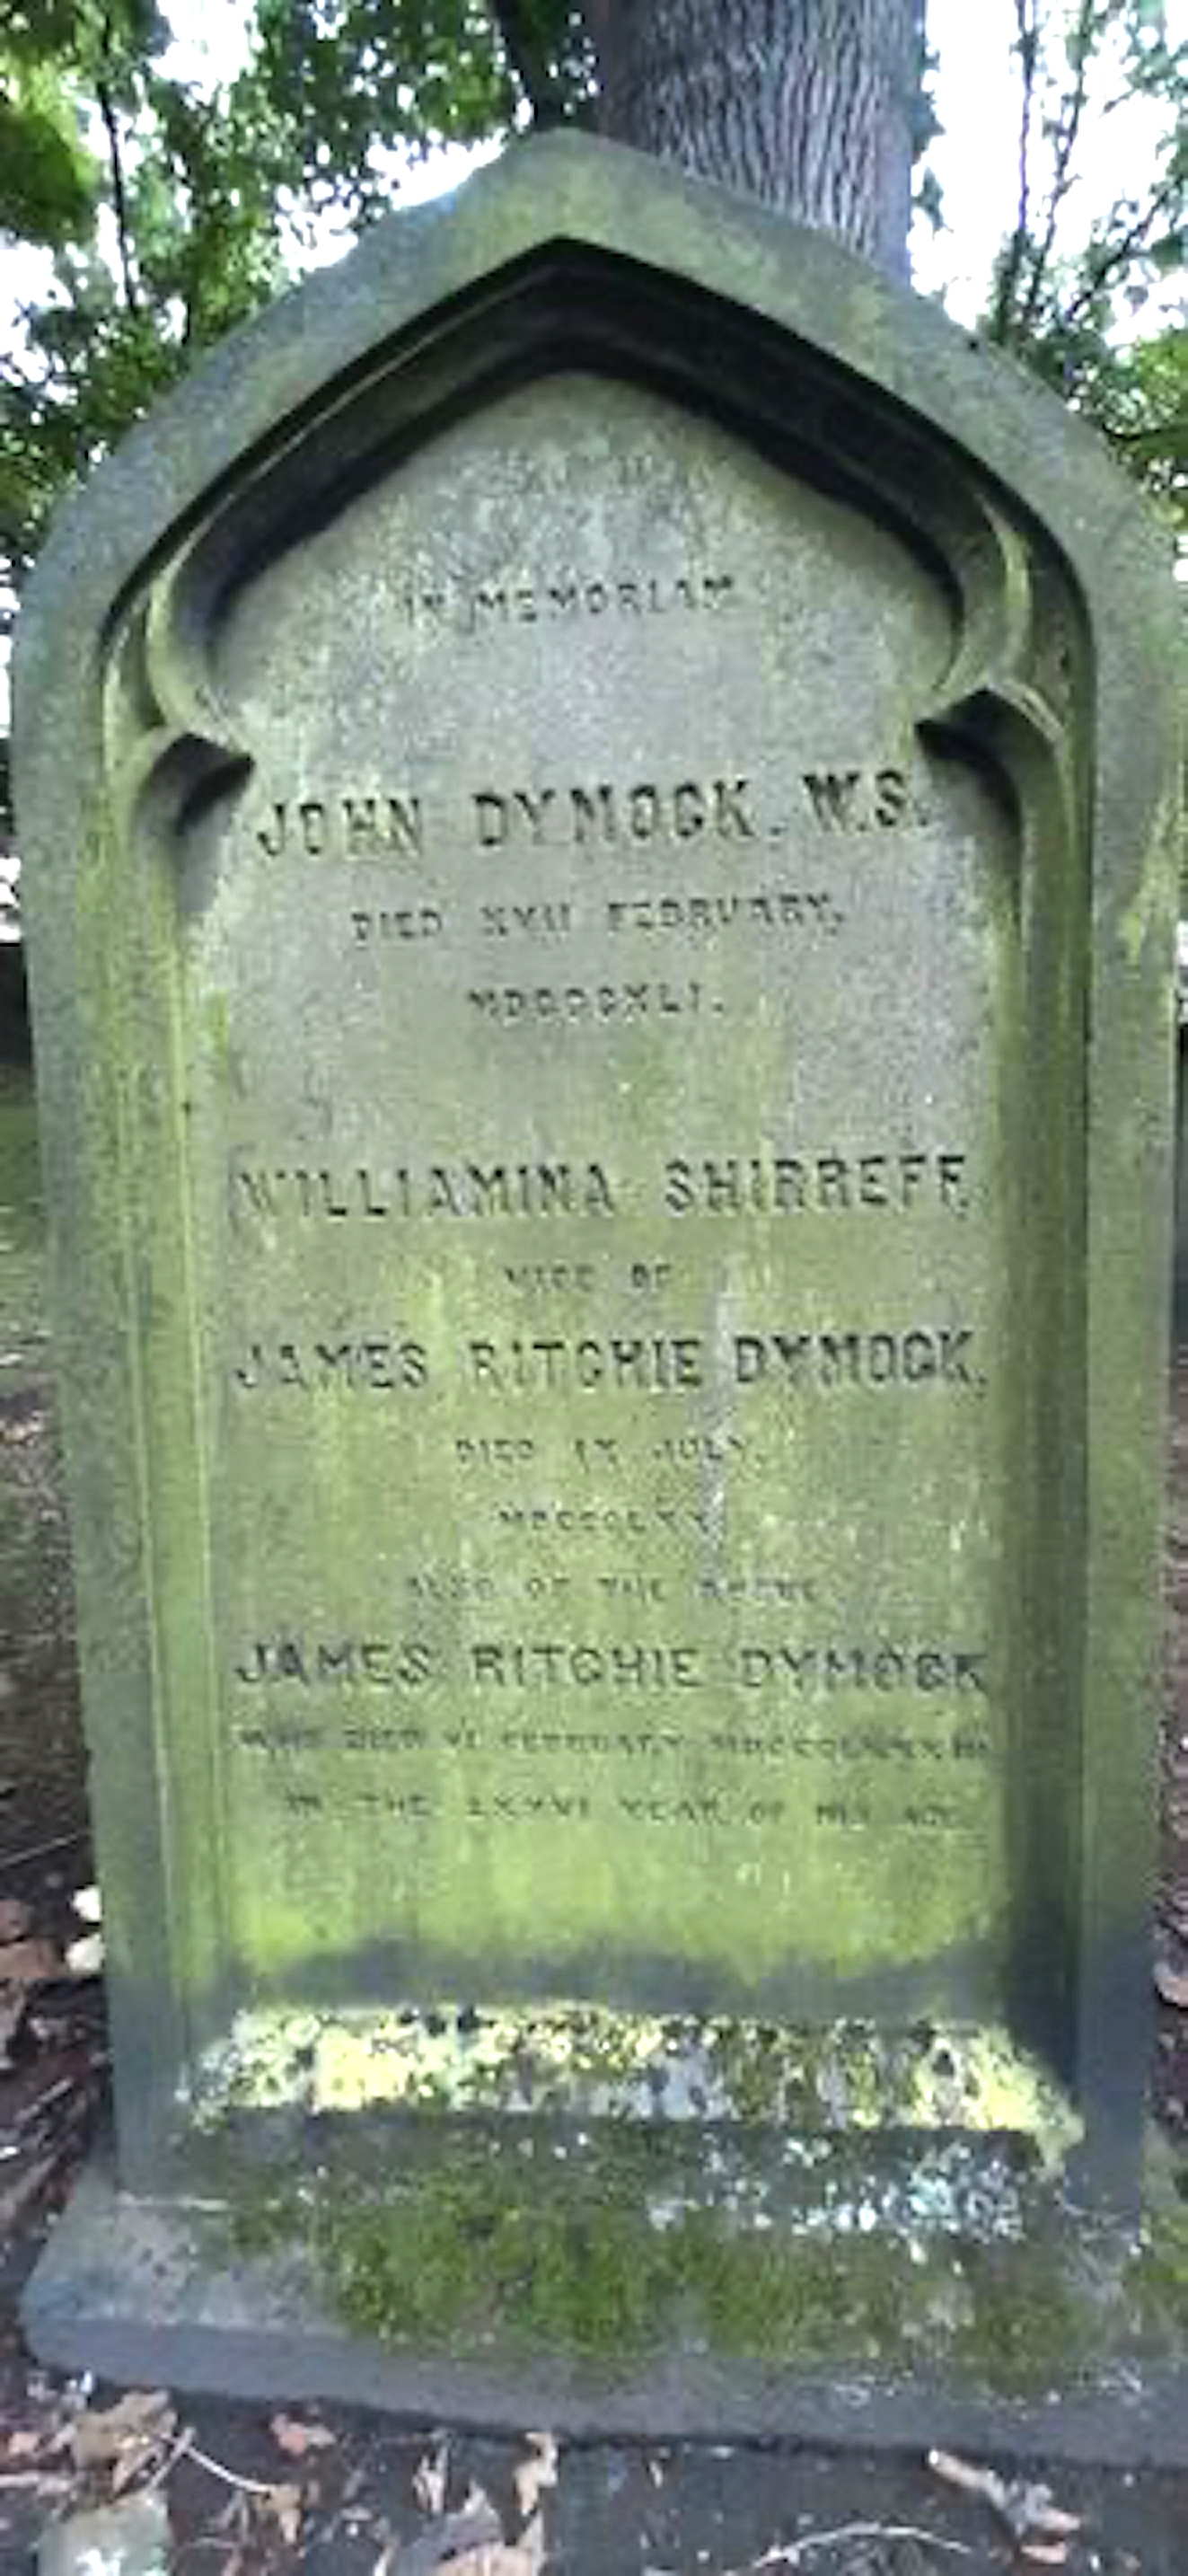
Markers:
point(598, 1022)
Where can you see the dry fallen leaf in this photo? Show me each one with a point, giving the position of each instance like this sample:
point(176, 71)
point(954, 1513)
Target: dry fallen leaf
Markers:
point(452, 2539)
point(286, 2508)
point(1171, 1986)
point(431, 2479)
point(1036, 2522)
point(13, 2007)
point(537, 2473)
point(29, 1963)
point(431, 2482)
point(296, 2439)
point(21, 2194)
point(139, 2453)
point(141, 2423)
point(23, 2444)
point(16, 1918)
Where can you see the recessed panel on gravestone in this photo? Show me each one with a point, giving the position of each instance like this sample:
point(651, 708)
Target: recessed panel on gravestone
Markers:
point(598, 1007)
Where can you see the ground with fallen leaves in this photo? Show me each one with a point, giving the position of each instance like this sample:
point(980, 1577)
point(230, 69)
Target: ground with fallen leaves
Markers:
point(98, 2483)
point(239, 2490)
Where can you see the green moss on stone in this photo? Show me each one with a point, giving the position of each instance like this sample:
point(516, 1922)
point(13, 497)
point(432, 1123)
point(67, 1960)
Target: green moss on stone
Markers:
point(487, 2260)
point(1029, 2322)
point(1162, 2271)
point(602, 2282)
point(568, 2280)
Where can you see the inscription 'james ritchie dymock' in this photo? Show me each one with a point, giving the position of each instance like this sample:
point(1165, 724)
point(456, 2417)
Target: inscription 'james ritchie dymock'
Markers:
point(885, 1667)
point(789, 1357)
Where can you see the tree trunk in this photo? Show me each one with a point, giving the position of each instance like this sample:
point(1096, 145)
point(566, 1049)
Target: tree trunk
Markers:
point(810, 104)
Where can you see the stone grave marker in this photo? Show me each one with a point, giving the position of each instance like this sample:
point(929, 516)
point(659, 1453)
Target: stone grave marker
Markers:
point(595, 794)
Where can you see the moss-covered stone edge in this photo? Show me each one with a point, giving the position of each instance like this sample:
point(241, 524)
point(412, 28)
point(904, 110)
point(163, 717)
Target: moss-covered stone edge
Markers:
point(479, 2256)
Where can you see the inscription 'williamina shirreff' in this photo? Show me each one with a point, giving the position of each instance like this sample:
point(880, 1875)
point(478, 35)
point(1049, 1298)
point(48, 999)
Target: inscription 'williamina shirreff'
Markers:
point(685, 1185)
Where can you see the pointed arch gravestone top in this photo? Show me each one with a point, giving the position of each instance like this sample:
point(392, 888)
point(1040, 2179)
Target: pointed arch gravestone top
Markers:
point(596, 794)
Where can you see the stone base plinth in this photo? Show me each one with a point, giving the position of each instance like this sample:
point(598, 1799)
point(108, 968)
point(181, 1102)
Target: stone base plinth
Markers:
point(150, 2293)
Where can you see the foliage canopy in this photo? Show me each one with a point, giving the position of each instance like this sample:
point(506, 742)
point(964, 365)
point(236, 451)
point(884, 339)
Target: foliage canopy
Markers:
point(166, 209)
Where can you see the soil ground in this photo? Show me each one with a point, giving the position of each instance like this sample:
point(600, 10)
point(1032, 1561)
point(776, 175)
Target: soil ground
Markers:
point(335, 2494)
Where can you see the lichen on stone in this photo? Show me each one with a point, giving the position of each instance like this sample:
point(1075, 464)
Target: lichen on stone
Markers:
point(591, 2062)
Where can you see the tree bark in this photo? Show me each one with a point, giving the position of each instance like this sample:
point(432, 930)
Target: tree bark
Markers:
point(811, 105)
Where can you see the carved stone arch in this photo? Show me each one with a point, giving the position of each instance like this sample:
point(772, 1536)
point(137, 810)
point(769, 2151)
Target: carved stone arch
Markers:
point(1018, 673)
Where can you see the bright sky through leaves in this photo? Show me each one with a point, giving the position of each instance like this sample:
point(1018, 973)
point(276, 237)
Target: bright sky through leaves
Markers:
point(976, 92)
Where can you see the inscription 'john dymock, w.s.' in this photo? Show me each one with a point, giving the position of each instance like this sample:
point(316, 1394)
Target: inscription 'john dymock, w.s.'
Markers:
point(595, 814)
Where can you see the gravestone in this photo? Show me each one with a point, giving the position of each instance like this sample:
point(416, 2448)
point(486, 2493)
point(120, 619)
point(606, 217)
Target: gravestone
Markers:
point(596, 794)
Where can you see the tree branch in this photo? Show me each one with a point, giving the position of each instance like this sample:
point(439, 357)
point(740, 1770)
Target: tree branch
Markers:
point(539, 84)
point(1062, 174)
point(1026, 23)
point(1128, 246)
point(119, 194)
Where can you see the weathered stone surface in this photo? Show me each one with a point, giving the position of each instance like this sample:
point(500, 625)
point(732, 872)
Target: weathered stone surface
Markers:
point(601, 882)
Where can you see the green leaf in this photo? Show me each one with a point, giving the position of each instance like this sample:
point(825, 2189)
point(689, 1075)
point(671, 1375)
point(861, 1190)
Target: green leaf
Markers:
point(48, 181)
